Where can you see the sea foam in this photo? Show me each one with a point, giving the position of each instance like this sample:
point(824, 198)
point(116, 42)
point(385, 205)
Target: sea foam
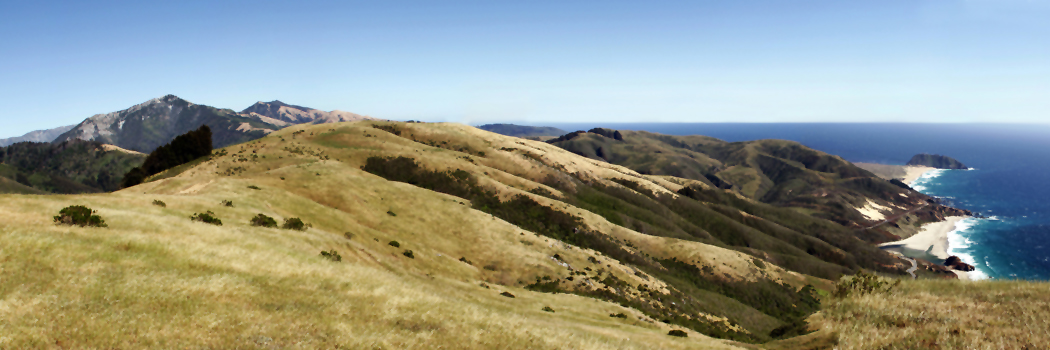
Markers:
point(926, 178)
point(958, 241)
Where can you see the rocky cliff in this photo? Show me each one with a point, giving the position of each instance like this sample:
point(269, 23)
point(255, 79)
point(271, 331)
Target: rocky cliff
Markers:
point(936, 161)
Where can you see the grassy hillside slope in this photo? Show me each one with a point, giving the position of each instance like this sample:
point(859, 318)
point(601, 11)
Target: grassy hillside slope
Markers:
point(500, 243)
point(155, 278)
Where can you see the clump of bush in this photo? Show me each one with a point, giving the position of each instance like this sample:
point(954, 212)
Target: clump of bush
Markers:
point(394, 244)
point(295, 224)
point(390, 213)
point(348, 235)
point(863, 283)
point(548, 309)
point(227, 203)
point(618, 315)
point(254, 187)
point(159, 203)
point(79, 215)
point(507, 294)
point(464, 259)
point(677, 333)
point(207, 218)
point(409, 254)
point(264, 221)
point(331, 255)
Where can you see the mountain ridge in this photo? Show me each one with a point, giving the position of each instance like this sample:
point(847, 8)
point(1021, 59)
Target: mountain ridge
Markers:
point(294, 114)
point(45, 135)
point(147, 125)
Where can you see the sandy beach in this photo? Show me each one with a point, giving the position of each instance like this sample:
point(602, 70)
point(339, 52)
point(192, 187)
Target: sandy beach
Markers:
point(907, 173)
point(932, 239)
point(912, 173)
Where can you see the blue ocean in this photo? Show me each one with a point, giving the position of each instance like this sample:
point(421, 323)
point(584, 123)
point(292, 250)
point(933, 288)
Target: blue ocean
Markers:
point(1009, 182)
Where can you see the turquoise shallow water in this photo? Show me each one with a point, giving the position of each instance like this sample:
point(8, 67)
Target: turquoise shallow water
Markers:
point(1009, 183)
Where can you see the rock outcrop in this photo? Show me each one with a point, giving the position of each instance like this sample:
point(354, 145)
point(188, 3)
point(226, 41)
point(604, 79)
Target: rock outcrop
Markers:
point(936, 161)
point(956, 263)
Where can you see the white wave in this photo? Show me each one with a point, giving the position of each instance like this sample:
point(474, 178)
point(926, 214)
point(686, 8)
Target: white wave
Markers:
point(926, 179)
point(957, 241)
point(930, 175)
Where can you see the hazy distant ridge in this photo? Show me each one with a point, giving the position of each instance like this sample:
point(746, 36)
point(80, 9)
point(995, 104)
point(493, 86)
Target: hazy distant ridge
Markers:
point(47, 135)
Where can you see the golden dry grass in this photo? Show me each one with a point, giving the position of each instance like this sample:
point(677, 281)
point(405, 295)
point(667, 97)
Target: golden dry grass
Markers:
point(944, 314)
point(156, 279)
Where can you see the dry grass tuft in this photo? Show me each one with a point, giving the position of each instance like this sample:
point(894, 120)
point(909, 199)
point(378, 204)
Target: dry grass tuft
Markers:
point(940, 314)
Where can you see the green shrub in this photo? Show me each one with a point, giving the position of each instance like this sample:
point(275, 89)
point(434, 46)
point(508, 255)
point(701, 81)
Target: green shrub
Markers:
point(409, 254)
point(332, 255)
point(295, 224)
point(619, 315)
point(79, 215)
point(863, 283)
point(390, 213)
point(677, 333)
point(548, 309)
point(464, 259)
point(254, 187)
point(207, 218)
point(394, 244)
point(507, 294)
point(348, 235)
point(159, 203)
point(227, 203)
point(264, 221)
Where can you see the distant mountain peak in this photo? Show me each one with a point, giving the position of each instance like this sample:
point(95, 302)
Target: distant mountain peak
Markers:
point(147, 125)
point(279, 111)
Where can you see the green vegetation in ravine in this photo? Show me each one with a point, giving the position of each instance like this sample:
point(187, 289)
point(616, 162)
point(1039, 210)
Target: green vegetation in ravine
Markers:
point(70, 167)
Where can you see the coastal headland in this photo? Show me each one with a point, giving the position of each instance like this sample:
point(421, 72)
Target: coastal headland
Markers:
point(931, 241)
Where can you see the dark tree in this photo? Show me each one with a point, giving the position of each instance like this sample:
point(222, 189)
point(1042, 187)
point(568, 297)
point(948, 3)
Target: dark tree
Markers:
point(183, 149)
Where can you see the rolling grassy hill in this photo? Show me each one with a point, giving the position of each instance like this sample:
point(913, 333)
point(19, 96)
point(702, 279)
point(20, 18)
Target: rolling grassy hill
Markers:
point(448, 236)
point(777, 172)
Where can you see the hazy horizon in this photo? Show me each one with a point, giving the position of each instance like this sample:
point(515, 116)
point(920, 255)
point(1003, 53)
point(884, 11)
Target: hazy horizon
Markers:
point(974, 61)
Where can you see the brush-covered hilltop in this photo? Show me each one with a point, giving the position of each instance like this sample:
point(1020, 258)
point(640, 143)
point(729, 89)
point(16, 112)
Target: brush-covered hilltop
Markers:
point(418, 235)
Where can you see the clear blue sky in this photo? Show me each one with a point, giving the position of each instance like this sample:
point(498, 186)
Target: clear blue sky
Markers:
point(535, 61)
